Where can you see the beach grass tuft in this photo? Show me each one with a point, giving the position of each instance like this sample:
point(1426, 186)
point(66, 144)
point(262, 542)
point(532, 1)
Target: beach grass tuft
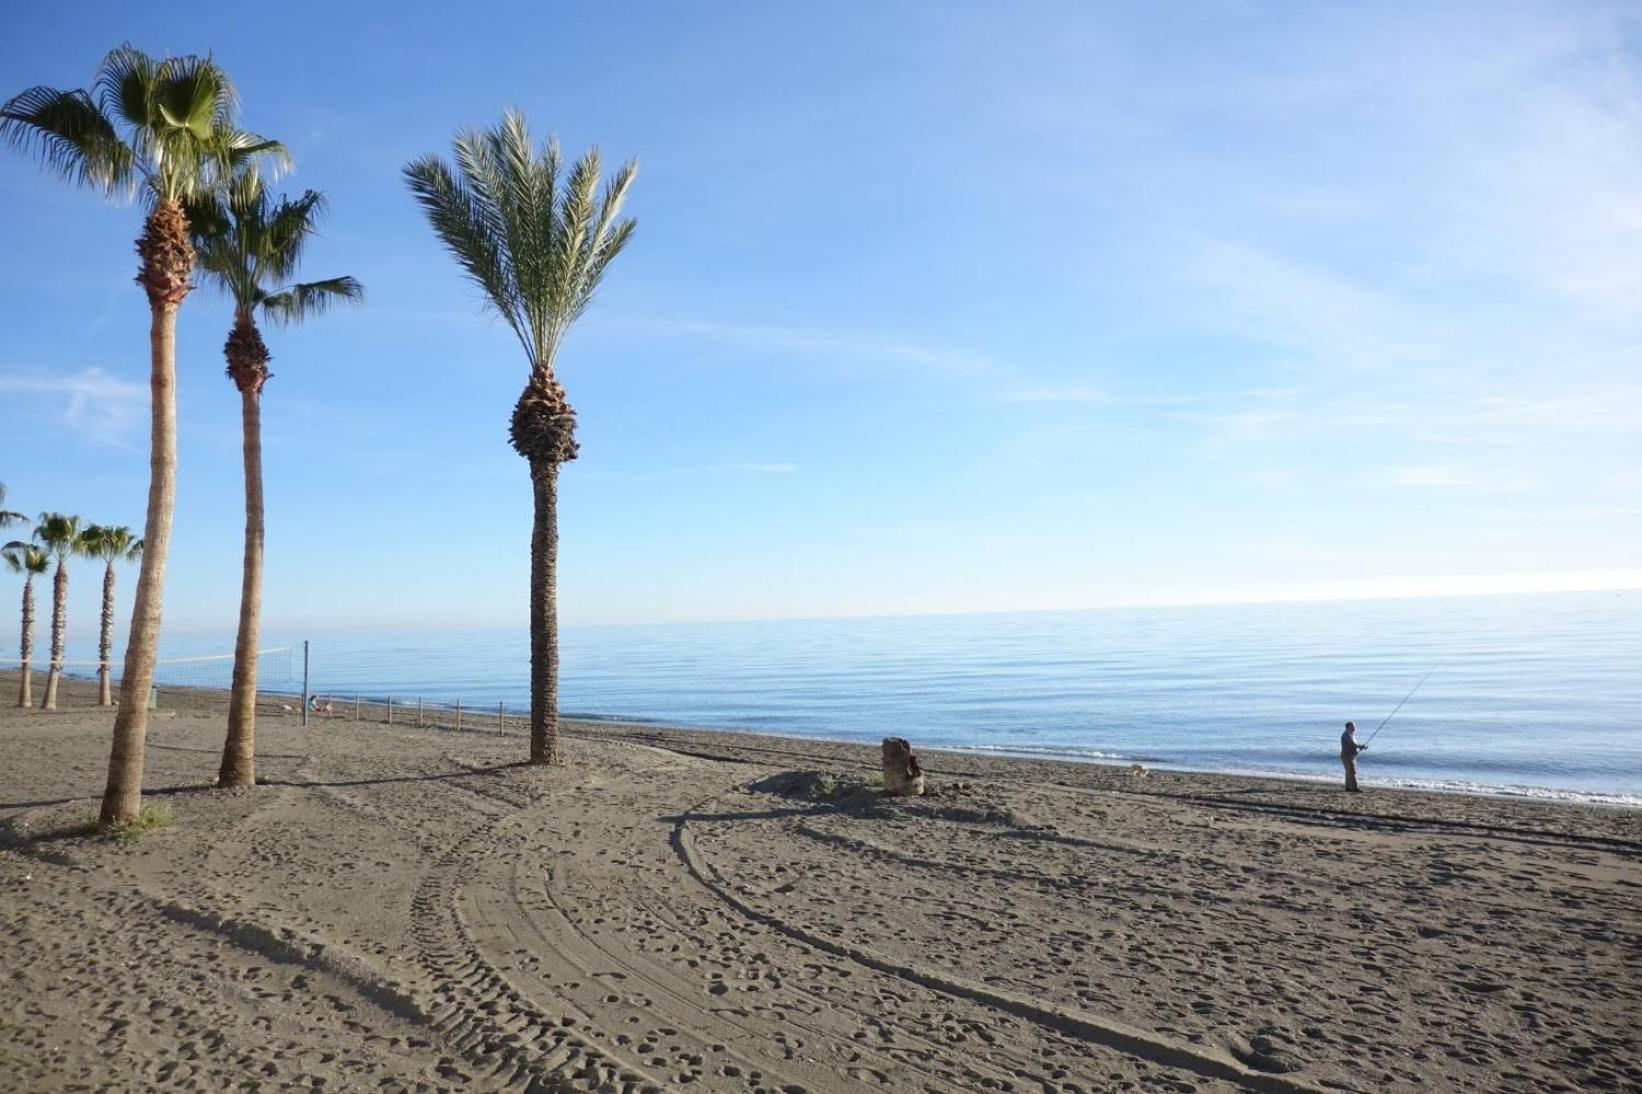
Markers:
point(150, 818)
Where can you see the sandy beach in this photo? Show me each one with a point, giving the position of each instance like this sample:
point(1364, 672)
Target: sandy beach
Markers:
point(407, 909)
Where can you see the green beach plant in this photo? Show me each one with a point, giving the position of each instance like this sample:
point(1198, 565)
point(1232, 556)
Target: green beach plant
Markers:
point(111, 543)
point(58, 534)
point(30, 561)
point(165, 129)
point(537, 242)
point(250, 246)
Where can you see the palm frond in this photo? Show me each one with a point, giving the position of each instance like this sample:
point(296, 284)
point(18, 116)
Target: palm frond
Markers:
point(73, 139)
point(111, 543)
point(311, 299)
point(125, 85)
point(463, 227)
point(9, 517)
point(286, 229)
point(25, 558)
point(250, 246)
point(58, 533)
point(535, 244)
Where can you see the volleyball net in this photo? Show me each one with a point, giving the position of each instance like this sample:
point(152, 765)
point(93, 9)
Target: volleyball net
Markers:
point(204, 680)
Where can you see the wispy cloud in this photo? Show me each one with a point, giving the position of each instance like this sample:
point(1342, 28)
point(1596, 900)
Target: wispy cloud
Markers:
point(778, 467)
point(90, 402)
point(811, 342)
point(1075, 394)
point(757, 468)
point(1457, 477)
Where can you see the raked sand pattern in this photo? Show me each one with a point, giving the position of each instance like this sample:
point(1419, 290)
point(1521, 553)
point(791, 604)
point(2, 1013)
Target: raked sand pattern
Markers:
point(403, 909)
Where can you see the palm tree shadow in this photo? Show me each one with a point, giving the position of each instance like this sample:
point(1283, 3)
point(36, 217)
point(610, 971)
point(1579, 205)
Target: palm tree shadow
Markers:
point(156, 792)
point(435, 776)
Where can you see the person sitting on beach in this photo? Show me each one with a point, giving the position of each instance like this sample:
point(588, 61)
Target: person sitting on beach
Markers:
point(1348, 755)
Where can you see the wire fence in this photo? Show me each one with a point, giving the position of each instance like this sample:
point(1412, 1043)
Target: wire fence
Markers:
point(418, 711)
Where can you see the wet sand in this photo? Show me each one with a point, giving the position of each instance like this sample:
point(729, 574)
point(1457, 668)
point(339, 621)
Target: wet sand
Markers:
point(401, 908)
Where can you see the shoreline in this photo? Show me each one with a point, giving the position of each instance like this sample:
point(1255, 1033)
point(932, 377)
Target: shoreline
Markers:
point(271, 699)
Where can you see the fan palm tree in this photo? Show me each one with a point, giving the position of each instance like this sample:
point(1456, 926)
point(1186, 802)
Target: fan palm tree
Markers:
point(537, 245)
point(59, 536)
point(164, 128)
point(7, 516)
point(111, 543)
point(28, 560)
point(250, 245)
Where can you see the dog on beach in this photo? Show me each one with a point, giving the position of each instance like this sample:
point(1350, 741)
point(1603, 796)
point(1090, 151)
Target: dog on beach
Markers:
point(1138, 770)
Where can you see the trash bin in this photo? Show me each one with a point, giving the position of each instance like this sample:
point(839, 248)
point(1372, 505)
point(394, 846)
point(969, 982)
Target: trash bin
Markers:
point(153, 698)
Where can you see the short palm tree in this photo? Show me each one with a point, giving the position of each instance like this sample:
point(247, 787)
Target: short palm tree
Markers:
point(28, 560)
point(7, 516)
point(58, 534)
point(111, 543)
point(537, 245)
point(164, 128)
point(250, 245)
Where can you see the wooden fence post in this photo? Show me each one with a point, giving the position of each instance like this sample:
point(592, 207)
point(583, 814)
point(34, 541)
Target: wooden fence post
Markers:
point(419, 713)
point(501, 723)
point(458, 714)
point(356, 708)
point(390, 710)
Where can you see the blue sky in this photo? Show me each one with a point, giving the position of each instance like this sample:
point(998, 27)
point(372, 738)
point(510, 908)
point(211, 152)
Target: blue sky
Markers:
point(932, 307)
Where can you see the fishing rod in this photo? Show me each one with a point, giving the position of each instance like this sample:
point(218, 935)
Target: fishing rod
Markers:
point(1398, 707)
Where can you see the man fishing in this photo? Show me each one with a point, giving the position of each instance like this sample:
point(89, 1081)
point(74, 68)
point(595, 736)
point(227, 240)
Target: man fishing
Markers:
point(1348, 756)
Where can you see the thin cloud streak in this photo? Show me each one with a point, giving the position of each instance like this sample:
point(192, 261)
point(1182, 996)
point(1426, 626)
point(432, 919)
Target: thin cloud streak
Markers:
point(802, 341)
point(91, 402)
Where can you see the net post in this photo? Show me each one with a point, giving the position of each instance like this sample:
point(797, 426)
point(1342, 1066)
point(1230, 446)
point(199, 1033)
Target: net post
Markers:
point(458, 714)
point(356, 708)
point(418, 712)
point(304, 681)
point(390, 710)
point(501, 724)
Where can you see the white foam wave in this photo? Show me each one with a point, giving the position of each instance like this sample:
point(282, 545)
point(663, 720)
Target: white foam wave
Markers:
point(1048, 752)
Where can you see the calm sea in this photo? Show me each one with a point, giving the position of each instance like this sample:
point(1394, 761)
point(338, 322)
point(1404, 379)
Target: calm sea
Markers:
point(1532, 694)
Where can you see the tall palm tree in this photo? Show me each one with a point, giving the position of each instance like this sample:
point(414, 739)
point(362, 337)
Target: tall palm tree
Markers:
point(250, 245)
point(164, 128)
point(537, 246)
point(59, 536)
point(7, 516)
point(28, 560)
point(111, 543)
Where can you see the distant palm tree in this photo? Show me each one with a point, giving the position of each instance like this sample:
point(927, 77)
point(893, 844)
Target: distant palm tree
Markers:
point(31, 562)
point(251, 245)
point(7, 516)
point(180, 139)
point(111, 543)
point(59, 535)
point(537, 246)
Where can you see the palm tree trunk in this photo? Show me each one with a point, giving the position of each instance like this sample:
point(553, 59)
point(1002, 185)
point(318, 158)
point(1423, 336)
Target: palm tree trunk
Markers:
point(59, 616)
point(544, 614)
point(25, 647)
point(105, 643)
point(239, 752)
point(168, 260)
